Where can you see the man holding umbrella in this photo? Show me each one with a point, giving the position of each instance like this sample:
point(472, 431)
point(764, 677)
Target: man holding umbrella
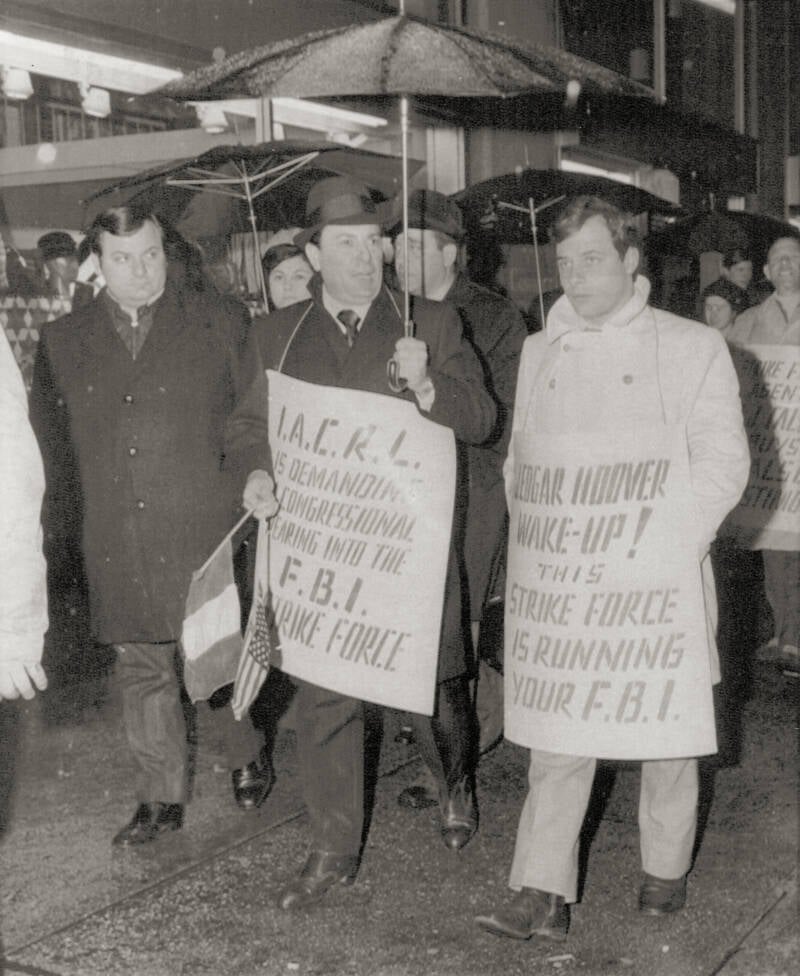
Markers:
point(343, 338)
point(496, 330)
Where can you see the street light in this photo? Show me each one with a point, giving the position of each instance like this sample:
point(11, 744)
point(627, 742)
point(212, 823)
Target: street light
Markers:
point(16, 83)
point(95, 101)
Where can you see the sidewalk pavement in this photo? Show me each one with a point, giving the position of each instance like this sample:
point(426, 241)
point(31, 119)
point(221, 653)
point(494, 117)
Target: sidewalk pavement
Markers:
point(201, 901)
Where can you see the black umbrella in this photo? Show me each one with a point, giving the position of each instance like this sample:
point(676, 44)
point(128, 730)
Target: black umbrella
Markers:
point(247, 188)
point(502, 205)
point(722, 231)
point(399, 55)
point(520, 207)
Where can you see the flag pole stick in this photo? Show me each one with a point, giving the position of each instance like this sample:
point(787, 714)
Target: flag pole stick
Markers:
point(225, 539)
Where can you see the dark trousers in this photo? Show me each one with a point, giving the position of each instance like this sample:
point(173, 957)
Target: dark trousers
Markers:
point(154, 721)
point(330, 749)
point(782, 583)
point(155, 724)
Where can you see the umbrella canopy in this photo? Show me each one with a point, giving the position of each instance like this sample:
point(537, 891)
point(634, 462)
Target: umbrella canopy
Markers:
point(227, 188)
point(401, 55)
point(721, 231)
point(501, 205)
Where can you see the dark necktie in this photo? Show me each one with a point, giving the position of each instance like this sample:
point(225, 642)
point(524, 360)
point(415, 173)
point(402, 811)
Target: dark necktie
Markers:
point(349, 320)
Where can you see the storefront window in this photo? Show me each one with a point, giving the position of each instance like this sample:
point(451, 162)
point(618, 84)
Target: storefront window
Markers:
point(698, 48)
point(699, 42)
point(54, 114)
point(617, 35)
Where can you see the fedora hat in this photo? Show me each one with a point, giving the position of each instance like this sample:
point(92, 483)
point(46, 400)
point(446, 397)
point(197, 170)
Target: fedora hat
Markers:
point(338, 200)
point(429, 210)
point(56, 244)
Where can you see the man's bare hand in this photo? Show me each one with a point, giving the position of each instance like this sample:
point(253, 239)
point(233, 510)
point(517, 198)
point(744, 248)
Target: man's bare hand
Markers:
point(411, 356)
point(259, 495)
point(18, 679)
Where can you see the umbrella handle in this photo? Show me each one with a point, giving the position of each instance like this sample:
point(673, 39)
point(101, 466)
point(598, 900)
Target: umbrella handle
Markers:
point(396, 383)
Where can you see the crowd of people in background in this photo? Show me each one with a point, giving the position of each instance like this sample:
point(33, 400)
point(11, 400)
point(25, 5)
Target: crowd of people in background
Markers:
point(150, 400)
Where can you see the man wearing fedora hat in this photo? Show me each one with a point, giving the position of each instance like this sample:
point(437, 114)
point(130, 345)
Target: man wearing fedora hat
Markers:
point(59, 254)
point(428, 265)
point(343, 337)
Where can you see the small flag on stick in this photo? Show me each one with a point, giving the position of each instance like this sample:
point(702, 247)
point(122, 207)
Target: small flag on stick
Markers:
point(259, 637)
point(212, 637)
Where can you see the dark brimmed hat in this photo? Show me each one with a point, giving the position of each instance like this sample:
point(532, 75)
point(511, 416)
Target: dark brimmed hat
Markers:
point(338, 200)
point(733, 295)
point(429, 210)
point(56, 244)
point(735, 255)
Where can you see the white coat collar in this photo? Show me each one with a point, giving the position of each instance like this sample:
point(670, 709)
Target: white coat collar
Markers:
point(563, 318)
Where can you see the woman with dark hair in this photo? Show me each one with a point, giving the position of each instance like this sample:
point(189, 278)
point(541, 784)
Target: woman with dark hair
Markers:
point(737, 268)
point(721, 302)
point(287, 273)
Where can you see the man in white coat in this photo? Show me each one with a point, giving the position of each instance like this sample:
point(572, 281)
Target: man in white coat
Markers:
point(776, 322)
point(607, 364)
point(23, 590)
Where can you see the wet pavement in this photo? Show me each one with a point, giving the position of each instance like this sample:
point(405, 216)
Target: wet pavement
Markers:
point(201, 901)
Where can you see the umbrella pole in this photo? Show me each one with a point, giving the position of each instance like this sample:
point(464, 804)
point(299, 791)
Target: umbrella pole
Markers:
point(408, 325)
point(396, 383)
point(532, 212)
point(256, 244)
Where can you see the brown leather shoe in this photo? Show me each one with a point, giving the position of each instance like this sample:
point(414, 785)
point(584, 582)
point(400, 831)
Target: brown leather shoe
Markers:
point(252, 783)
point(660, 896)
point(459, 816)
point(531, 912)
point(150, 820)
point(321, 872)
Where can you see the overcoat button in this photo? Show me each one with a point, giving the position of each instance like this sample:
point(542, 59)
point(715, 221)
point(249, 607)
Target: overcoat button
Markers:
point(127, 398)
point(627, 378)
point(552, 384)
point(132, 451)
point(140, 504)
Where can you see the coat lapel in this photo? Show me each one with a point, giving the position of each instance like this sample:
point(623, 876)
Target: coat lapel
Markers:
point(170, 321)
point(99, 340)
point(377, 337)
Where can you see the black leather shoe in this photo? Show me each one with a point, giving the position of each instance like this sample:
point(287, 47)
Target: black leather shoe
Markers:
point(459, 817)
point(321, 872)
point(252, 784)
point(660, 896)
point(531, 912)
point(150, 820)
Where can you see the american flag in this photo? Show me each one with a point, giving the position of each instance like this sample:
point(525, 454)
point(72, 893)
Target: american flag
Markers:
point(258, 638)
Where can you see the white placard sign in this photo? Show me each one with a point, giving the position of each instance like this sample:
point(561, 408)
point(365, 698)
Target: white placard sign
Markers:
point(359, 547)
point(768, 515)
point(606, 641)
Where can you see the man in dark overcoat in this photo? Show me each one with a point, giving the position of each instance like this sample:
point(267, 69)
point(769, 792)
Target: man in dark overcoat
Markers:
point(343, 337)
point(428, 264)
point(133, 391)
